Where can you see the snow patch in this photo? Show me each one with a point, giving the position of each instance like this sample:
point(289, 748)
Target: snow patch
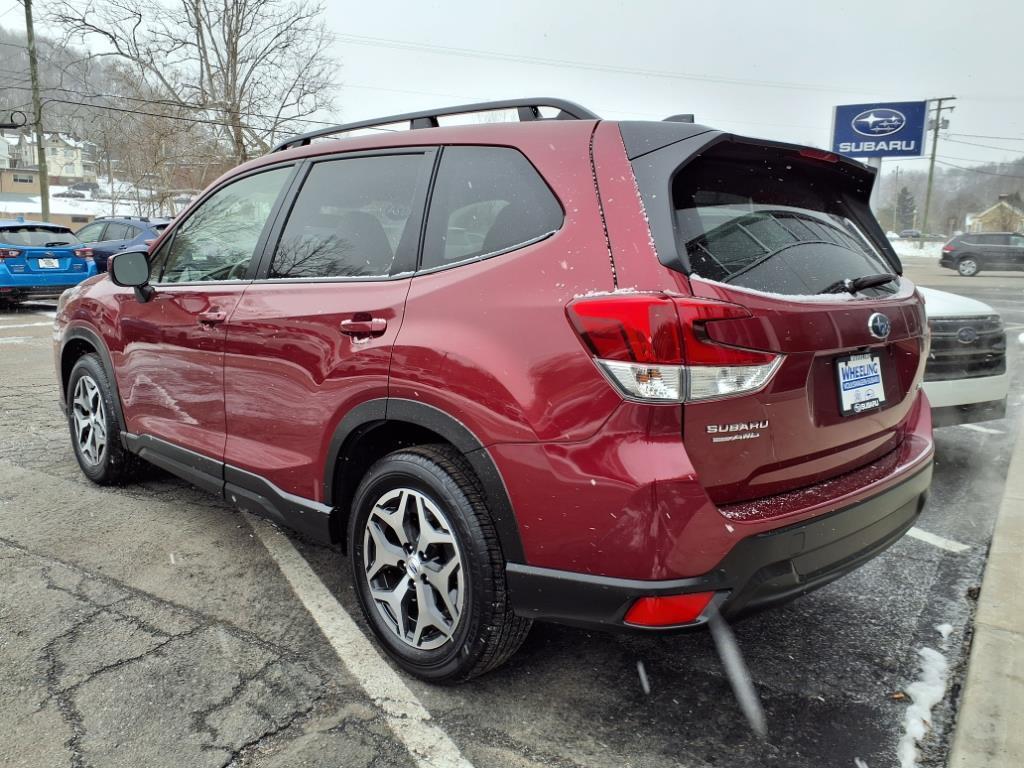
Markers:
point(811, 298)
point(945, 630)
point(616, 292)
point(925, 693)
point(1020, 339)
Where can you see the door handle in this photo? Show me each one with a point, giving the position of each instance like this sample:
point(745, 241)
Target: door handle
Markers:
point(364, 325)
point(212, 318)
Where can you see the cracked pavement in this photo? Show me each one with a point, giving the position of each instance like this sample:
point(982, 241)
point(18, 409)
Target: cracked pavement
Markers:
point(147, 626)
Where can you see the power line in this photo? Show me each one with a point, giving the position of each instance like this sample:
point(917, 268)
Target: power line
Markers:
point(167, 103)
point(406, 45)
point(986, 146)
point(976, 170)
point(983, 136)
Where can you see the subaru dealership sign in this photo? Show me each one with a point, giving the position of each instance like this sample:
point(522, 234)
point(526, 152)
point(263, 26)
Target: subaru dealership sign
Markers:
point(893, 129)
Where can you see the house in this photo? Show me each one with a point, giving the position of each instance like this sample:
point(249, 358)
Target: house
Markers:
point(5, 154)
point(67, 159)
point(1001, 217)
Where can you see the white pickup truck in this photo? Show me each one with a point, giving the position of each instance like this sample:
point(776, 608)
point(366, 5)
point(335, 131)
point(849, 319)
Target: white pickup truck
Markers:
point(965, 376)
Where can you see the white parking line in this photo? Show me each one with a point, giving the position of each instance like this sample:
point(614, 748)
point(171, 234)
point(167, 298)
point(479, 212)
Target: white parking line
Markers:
point(985, 430)
point(938, 541)
point(24, 325)
point(429, 746)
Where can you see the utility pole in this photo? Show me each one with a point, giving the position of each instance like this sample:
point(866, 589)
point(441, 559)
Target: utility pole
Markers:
point(37, 106)
point(936, 124)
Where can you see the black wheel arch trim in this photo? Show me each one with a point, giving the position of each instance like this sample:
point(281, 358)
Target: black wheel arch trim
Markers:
point(382, 410)
point(82, 333)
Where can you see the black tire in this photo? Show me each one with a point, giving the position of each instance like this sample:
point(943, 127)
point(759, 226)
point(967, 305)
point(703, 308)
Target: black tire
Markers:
point(968, 266)
point(486, 632)
point(113, 464)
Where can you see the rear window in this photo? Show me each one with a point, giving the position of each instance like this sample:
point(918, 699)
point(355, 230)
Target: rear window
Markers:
point(42, 237)
point(772, 220)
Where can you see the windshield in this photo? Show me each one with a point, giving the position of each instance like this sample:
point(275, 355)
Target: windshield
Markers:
point(35, 236)
point(773, 224)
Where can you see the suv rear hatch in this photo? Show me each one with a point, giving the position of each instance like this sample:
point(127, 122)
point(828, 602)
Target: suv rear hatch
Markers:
point(776, 240)
point(37, 255)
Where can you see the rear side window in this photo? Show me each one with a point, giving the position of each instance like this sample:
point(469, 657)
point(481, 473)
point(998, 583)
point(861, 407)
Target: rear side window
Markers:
point(40, 237)
point(92, 233)
point(486, 200)
point(349, 219)
point(118, 231)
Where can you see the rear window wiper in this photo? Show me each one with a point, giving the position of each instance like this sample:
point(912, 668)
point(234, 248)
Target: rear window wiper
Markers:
point(855, 284)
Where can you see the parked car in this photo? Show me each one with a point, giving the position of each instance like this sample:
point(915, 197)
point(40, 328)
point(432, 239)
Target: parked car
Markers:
point(70, 193)
point(621, 375)
point(965, 376)
point(109, 235)
point(970, 253)
point(39, 260)
point(85, 186)
point(907, 233)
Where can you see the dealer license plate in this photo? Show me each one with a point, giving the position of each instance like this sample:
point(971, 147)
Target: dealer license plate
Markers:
point(49, 264)
point(860, 383)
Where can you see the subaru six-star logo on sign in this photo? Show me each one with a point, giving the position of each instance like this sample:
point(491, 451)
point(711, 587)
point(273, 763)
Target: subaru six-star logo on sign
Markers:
point(879, 325)
point(878, 122)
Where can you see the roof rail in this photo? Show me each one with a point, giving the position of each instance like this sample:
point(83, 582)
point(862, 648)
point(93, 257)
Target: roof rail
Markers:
point(529, 109)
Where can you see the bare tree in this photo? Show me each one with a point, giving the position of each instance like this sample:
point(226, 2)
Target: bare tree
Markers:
point(256, 68)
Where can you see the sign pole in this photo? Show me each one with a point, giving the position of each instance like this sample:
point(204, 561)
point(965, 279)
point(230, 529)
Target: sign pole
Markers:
point(876, 163)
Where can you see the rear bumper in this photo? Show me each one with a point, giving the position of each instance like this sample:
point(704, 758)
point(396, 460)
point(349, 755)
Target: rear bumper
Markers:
point(763, 569)
point(957, 392)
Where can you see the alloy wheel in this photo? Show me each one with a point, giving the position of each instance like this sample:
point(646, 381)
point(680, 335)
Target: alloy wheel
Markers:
point(967, 267)
point(90, 420)
point(413, 568)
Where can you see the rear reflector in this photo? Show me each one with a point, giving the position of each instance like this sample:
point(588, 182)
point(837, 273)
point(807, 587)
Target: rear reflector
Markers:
point(668, 610)
point(654, 348)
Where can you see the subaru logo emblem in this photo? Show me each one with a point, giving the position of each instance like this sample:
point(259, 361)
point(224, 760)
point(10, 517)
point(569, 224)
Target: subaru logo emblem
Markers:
point(967, 335)
point(879, 325)
point(878, 122)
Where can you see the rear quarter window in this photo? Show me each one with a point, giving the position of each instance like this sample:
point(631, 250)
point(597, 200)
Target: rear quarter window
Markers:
point(486, 200)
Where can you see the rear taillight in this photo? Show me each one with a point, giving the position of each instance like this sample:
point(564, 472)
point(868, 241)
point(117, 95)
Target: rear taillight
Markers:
point(9, 253)
point(947, 248)
point(83, 253)
point(654, 348)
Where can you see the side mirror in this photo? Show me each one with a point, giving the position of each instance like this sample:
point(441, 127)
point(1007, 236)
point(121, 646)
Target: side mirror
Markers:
point(130, 269)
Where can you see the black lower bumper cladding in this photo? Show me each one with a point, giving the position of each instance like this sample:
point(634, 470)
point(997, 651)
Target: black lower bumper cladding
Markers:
point(761, 570)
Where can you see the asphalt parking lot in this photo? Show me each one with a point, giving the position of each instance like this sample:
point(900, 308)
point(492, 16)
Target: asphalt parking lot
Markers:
point(153, 625)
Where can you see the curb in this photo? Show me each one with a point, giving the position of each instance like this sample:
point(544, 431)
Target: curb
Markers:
point(988, 731)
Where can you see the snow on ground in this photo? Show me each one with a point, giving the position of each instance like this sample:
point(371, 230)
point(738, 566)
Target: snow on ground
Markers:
point(906, 248)
point(925, 693)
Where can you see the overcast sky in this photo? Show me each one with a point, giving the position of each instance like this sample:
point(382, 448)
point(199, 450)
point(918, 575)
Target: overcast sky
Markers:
point(771, 68)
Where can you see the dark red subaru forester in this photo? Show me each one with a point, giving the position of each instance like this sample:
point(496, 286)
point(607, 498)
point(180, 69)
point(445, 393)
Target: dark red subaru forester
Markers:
point(612, 374)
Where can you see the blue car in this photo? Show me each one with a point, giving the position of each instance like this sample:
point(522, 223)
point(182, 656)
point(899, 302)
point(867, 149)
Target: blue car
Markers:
point(40, 260)
point(112, 234)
